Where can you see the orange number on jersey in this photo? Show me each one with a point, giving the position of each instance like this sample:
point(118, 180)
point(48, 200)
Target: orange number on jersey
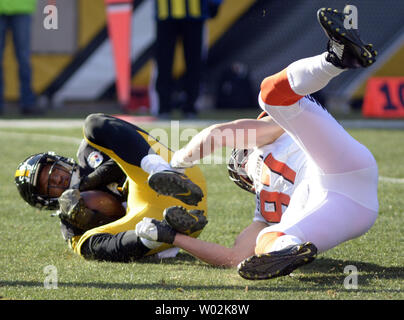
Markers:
point(278, 167)
point(277, 199)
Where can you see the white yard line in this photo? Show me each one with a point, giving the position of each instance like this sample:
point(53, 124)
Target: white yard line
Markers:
point(391, 180)
point(40, 136)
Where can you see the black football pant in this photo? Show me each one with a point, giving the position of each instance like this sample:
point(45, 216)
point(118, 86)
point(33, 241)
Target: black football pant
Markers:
point(120, 136)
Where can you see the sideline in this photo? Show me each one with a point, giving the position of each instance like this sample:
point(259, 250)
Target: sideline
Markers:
point(147, 122)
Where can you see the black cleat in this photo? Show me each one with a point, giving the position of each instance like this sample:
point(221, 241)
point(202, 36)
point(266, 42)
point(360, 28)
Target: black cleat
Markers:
point(345, 48)
point(177, 185)
point(184, 221)
point(277, 263)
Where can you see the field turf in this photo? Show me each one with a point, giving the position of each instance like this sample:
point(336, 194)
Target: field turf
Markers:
point(30, 241)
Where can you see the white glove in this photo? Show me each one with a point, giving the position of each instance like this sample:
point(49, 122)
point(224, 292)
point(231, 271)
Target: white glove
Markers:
point(146, 229)
point(155, 230)
point(178, 160)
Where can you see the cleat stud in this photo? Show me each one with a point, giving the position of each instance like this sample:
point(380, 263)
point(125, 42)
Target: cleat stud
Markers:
point(322, 13)
point(325, 19)
point(343, 34)
point(337, 29)
point(330, 22)
point(365, 54)
point(370, 45)
point(335, 10)
point(329, 9)
point(375, 53)
point(370, 61)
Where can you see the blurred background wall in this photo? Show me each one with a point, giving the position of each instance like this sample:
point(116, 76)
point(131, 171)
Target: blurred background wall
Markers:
point(252, 38)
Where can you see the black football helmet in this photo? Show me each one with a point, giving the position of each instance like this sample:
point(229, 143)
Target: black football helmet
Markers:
point(27, 176)
point(237, 171)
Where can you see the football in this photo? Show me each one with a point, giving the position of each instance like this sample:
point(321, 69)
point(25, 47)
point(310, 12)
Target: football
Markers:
point(104, 203)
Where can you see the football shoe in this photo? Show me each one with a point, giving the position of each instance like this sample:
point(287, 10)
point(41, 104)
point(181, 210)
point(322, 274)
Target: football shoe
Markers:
point(345, 48)
point(277, 263)
point(177, 185)
point(184, 221)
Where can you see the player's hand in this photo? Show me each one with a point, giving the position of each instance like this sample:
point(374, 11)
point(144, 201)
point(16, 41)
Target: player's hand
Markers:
point(155, 230)
point(178, 160)
point(73, 209)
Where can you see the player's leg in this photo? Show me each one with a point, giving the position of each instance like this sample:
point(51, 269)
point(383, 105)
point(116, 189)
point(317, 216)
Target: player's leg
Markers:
point(283, 247)
point(313, 128)
point(123, 141)
point(142, 157)
point(348, 219)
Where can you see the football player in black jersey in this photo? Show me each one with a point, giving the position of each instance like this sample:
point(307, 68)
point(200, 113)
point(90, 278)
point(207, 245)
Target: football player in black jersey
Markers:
point(127, 166)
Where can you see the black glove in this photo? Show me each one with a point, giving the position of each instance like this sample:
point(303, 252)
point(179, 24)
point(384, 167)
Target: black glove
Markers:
point(73, 210)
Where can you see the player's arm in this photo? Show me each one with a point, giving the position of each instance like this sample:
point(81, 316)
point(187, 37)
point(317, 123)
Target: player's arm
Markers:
point(106, 173)
point(242, 134)
point(219, 255)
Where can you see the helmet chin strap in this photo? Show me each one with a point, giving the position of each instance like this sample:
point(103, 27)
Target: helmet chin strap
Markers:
point(75, 179)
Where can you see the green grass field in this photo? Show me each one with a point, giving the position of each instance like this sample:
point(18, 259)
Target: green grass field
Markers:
point(30, 241)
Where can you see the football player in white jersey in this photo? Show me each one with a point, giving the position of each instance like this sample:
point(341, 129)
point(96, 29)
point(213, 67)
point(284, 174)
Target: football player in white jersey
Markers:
point(315, 185)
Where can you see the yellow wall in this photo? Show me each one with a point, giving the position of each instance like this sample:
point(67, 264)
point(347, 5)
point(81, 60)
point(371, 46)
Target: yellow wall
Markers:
point(46, 67)
point(394, 67)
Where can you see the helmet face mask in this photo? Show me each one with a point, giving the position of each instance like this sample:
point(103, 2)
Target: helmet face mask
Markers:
point(237, 171)
point(28, 178)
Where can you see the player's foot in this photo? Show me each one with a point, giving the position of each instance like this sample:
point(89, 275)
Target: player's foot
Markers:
point(177, 185)
point(277, 263)
point(345, 48)
point(184, 221)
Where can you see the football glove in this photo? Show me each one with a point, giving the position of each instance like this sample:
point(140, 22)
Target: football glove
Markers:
point(155, 230)
point(72, 209)
point(178, 160)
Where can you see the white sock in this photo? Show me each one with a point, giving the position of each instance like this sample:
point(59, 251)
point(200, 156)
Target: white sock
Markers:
point(284, 241)
point(311, 74)
point(153, 163)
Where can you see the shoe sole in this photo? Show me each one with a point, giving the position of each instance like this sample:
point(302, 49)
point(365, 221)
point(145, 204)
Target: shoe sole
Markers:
point(278, 263)
point(177, 186)
point(332, 23)
point(184, 221)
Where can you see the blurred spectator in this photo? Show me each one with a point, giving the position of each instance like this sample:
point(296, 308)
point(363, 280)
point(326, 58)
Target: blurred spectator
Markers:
point(235, 90)
point(16, 16)
point(185, 19)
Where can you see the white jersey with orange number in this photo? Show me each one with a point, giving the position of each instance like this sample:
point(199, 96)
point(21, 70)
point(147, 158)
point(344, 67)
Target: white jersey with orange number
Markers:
point(276, 170)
